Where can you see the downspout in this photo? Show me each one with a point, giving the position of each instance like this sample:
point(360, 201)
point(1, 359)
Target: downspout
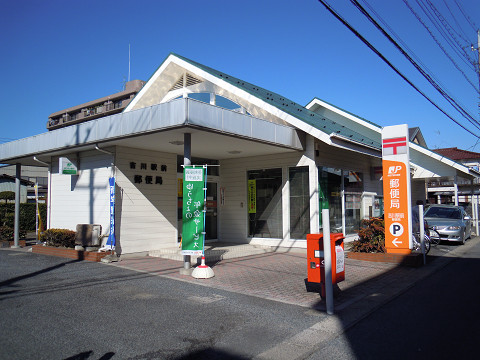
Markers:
point(108, 153)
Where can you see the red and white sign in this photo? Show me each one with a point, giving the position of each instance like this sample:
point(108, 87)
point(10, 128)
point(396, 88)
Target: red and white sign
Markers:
point(394, 146)
point(396, 189)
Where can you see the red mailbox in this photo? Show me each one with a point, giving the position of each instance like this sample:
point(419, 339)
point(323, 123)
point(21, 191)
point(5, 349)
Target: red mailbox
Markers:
point(315, 257)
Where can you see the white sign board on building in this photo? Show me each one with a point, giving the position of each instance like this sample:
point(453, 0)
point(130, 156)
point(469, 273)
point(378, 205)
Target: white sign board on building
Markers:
point(66, 167)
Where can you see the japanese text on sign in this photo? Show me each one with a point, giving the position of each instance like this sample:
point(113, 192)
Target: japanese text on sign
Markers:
point(193, 211)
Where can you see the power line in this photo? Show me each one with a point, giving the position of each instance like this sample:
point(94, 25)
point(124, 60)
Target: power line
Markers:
point(366, 42)
point(432, 82)
point(440, 30)
point(472, 24)
point(440, 45)
point(456, 22)
point(412, 53)
point(448, 28)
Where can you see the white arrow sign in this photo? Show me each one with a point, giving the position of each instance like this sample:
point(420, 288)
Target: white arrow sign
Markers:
point(396, 241)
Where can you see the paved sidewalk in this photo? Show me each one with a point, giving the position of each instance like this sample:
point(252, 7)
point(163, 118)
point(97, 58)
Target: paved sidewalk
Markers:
point(280, 276)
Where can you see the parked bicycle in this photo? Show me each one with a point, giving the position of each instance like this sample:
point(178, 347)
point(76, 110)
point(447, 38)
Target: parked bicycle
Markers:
point(434, 237)
point(417, 246)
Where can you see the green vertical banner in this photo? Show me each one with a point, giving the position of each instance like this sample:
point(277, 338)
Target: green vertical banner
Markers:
point(252, 196)
point(193, 210)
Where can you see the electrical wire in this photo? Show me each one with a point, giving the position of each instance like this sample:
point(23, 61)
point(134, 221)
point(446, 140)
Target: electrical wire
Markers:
point(472, 24)
point(456, 22)
point(440, 30)
point(447, 97)
point(440, 45)
point(366, 42)
point(448, 28)
point(412, 53)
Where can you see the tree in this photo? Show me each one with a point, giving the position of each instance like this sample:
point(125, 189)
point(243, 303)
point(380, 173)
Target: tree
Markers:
point(7, 195)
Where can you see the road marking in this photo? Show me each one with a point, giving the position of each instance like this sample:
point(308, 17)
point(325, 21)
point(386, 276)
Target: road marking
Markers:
point(205, 299)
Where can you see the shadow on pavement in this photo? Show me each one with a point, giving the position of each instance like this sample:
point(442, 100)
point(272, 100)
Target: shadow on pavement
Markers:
point(210, 354)
point(394, 315)
point(36, 273)
point(87, 354)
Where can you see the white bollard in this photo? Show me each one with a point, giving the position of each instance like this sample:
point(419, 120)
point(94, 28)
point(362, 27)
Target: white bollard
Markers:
point(327, 255)
point(422, 231)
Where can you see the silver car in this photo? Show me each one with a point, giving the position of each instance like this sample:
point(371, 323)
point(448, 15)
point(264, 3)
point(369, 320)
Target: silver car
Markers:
point(448, 222)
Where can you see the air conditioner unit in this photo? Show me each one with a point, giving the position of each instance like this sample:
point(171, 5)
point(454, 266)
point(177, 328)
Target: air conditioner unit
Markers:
point(88, 234)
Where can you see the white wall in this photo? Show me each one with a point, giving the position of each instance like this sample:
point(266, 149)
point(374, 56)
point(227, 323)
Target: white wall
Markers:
point(81, 199)
point(146, 214)
point(233, 177)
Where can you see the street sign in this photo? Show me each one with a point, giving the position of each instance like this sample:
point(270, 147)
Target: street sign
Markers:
point(396, 189)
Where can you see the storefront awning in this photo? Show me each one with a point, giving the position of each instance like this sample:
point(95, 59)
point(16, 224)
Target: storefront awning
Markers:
point(219, 131)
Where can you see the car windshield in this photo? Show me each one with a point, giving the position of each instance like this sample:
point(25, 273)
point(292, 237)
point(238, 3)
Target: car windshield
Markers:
point(443, 212)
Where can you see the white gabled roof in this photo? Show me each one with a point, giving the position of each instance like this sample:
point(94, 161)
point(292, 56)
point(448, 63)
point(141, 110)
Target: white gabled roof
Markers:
point(258, 101)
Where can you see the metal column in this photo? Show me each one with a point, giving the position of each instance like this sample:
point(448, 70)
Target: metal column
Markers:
point(18, 177)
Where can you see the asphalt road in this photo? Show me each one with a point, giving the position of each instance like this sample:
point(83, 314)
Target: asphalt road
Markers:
point(438, 318)
point(54, 308)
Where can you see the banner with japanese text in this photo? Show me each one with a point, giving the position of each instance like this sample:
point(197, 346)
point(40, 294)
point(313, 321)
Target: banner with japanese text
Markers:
point(252, 196)
point(111, 237)
point(396, 189)
point(193, 210)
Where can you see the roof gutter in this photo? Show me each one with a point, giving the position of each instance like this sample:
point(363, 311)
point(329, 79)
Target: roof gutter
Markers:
point(337, 139)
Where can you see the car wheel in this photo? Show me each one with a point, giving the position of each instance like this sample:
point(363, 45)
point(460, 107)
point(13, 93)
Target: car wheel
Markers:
point(464, 237)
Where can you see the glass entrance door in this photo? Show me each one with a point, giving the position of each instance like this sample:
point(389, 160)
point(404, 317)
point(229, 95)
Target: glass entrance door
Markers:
point(211, 217)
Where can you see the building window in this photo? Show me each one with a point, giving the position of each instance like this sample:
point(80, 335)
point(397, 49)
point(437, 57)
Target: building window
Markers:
point(219, 101)
point(264, 203)
point(353, 187)
point(299, 202)
point(330, 191)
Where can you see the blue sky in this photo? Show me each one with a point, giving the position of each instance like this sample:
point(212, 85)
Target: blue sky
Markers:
point(57, 54)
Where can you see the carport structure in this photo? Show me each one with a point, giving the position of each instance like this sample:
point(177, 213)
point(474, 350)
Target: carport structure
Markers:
point(301, 159)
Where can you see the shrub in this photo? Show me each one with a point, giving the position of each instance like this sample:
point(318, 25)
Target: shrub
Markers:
point(7, 233)
point(27, 215)
point(371, 237)
point(59, 238)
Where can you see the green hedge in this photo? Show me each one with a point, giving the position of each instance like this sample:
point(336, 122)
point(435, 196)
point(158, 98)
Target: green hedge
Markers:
point(58, 237)
point(27, 215)
point(7, 233)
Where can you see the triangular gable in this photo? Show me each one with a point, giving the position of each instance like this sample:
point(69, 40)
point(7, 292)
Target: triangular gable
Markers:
point(416, 136)
point(258, 101)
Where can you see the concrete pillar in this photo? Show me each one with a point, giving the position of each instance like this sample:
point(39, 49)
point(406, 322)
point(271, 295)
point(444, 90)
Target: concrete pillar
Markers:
point(313, 185)
point(18, 177)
